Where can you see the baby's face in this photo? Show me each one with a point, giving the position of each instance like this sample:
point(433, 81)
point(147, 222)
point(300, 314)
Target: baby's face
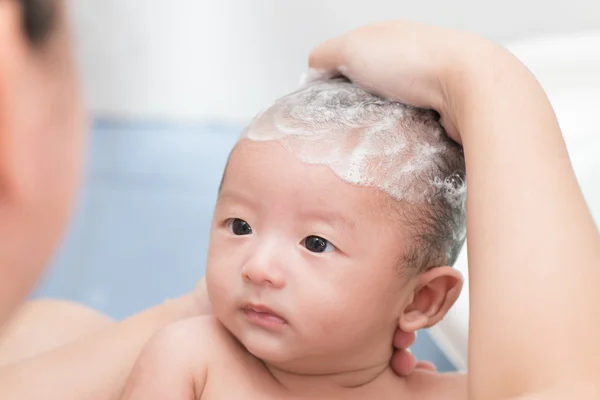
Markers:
point(303, 267)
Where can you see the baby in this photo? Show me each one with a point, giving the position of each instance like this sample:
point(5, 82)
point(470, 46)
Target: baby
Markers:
point(338, 219)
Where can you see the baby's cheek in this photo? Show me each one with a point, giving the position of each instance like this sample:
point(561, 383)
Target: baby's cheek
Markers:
point(330, 307)
point(361, 300)
point(220, 280)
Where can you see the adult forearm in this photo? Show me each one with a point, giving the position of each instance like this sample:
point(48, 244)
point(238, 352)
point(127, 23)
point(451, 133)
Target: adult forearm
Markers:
point(528, 227)
point(94, 367)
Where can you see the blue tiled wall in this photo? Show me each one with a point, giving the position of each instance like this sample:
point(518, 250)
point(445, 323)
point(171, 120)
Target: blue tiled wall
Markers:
point(140, 233)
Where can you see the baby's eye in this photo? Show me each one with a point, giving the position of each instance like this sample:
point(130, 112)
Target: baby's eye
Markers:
point(317, 244)
point(239, 226)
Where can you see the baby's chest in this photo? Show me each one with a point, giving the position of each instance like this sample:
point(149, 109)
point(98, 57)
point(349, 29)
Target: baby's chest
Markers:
point(232, 384)
point(245, 381)
point(242, 379)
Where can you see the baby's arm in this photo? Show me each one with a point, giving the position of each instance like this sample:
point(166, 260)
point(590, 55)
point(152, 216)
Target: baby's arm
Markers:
point(173, 364)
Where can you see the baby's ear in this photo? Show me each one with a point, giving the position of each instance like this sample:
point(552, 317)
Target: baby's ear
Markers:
point(436, 291)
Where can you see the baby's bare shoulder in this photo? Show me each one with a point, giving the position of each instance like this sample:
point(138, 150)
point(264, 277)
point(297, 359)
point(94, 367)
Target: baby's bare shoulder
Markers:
point(205, 326)
point(175, 362)
point(204, 333)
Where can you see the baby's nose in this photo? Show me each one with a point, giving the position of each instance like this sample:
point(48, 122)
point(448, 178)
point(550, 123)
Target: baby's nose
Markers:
point(263, 272)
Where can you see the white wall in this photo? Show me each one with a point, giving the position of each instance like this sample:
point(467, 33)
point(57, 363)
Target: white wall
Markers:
point(195, 60)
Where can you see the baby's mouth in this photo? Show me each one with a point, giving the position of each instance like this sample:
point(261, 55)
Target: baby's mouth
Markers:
point(263, 315)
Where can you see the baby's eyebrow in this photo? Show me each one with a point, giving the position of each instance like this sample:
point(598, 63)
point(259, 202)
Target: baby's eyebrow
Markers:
point(330, 217)
point(229, 196)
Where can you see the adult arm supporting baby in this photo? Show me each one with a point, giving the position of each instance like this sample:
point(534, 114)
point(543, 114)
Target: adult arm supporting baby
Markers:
point(97, 366)
point(534, 251)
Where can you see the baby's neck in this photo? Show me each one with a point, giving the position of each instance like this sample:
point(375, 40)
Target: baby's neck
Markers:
point(302, 383)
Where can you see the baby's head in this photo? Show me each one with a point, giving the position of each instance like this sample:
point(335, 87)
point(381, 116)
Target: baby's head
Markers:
point(338, 219)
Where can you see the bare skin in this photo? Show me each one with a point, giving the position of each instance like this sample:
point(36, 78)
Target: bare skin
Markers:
point(42, 141)
point(331, 342)
point(38, 188)
point(529, 230)
point(198, 359)
point(43, 325)
point(530, 234)
point(33, 338)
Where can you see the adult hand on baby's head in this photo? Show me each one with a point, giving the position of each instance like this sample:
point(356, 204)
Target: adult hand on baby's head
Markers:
point(403, 361)
point(404, 61)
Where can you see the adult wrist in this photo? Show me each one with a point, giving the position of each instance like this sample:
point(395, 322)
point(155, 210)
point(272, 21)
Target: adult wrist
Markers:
point(471, 84)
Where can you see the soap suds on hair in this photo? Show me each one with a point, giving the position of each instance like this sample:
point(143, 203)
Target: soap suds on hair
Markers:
point(365, 140)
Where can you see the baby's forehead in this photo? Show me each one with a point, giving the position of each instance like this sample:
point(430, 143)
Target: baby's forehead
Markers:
point(269, 171)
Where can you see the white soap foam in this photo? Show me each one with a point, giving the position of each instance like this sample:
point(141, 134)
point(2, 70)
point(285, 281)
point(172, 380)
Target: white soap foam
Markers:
point(363, 139)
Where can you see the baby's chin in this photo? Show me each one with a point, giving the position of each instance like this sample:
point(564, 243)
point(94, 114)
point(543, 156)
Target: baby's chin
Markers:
point(288, 351)
point(270, 348)
point(282, 350)
point(288, 355)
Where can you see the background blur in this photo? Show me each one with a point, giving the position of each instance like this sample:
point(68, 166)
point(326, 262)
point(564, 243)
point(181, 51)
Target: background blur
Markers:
point(171, 83)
